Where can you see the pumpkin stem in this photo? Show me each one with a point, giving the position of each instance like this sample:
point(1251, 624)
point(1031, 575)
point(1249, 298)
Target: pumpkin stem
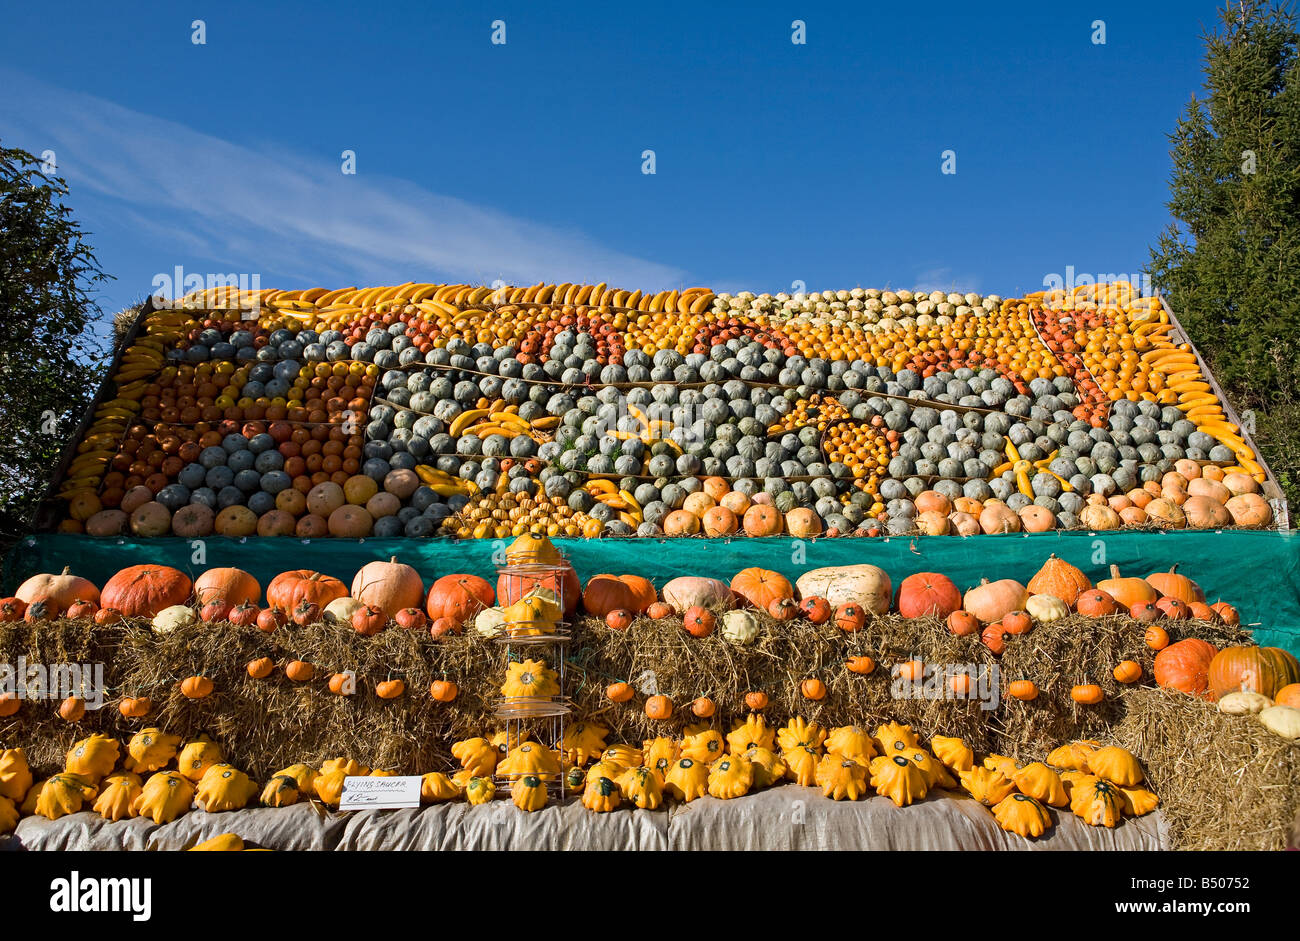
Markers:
point(1114, 571)
point(67, 570)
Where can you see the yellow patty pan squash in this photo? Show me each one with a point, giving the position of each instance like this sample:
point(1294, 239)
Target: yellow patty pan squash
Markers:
point(601, 795)
point(437, 788)
point(281, 790)
point(752, 731)
point(92, 758)
point(894, 737)
point(955, 754)
point(329, 786)
point(769, 767)
point(149, 750)
point(628, 756)
point(730, 776)
point(1002, 763)
point(705, 747)
point(658, 754)
point(537, 612)
point(349, 766)
point(1073, 756)
point(221, 843)
point(687, 779)
point(530, 678)
point(63, 794)
point(478, 756)
point(1022, 814)
point(165, 796)
point(798, 732)
point(987, 787)
point(224, 787)
point(851, 741)
point(583, 742)
point(801, 765)
point(935, 774)
point(1097, 802)
point(1040, 782)
point(197, 757)
point(899, 779)
point(117, 794)
point(15, 775)
point(1116, 765)
point(528, 793)
point(1138, 801)
point(531, 758)
point(480, 790)
point(841, 778)
point(8, 815)
point(641, 786)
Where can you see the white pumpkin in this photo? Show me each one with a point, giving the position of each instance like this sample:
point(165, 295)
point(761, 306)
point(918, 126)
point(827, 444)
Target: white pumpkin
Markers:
point(1046, 608)
point(1243, 703)
point(169, 619)
point(490, 622)
point(691, 591)
point(865, 585)
point(1283, 721)
point(740, 627)
point(340, 611)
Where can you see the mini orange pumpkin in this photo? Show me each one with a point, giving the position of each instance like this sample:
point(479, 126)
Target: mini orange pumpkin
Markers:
point(1024, 690)
point(660, 610)
point(72, 709)
point(299, 671)
point(135, 707)
point(390, 689)
point(862, 665)
point(1145, 611)
point(1157, 638)
point(1095, 603)
point(756, 701)
point(443, 690)
point(1017, 622)
point(1175, 609)
point(703, 707)
point(813, 688)
point(850, 617)
point(1127, 671)
point(699, 622)
point(784, 609)
point(659, 707)
point(620, 619)
point(196, 687)
point(961, 623)
point(260, 668)
point(618, 692)
point(816, 609)
point(1088, 694)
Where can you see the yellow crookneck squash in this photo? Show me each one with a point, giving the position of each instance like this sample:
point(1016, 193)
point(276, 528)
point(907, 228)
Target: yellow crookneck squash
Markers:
point(149, 750)
point(528, 793)
point(531, 678)
point(117, 794)
point(641, 786)
point(851, 741)
point(898, 778)
point(730, 776)
point(92, 758)
point(1022, 814)
point(841, 778)
point(687, 779)
point(165, 796)
point(798, 732)
point(224, 787)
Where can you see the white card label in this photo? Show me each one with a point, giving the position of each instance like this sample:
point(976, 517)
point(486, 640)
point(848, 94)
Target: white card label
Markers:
point(366, 793)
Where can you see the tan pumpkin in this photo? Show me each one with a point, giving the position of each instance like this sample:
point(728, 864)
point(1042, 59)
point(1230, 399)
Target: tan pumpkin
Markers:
point(389, 586)
point(865, 585)
point(58, 592)
point(1250, 510)
point(1100, 518)
point(992, 601)
point(997, 519)
point(1205, 513)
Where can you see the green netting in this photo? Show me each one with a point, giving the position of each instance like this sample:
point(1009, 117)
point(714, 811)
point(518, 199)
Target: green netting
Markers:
point(1258, 572)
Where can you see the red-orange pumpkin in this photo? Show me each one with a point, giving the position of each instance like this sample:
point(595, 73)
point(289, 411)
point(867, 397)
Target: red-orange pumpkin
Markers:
point(618, 692)
point(244, 615)
point(703, 707)
point(928, 594)
point(994, 637)
point(369, 621)
point(606, 593)
point(82, 609)
point(660, 610)
point(1185, 666)
point(234, 586)
point(141, 591)
point(961, 623)
point(643, 592)
point(762, 520)
point(1227, 612)
point(289, 588)
point(1175, 609)
point(1172, 585)
point(699, 622)
point(620, 619)
point(1060, 579)
point(850, 617)
point(459, 597)
point(1095, 603)
point(562, 580)
point(12, 609)
point(816, 609)
point(412, 619)
point(659, 707)
point(760, 587)
point(784, 609)
point(389, 586)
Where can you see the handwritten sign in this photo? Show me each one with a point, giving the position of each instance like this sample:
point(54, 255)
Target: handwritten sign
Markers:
point(380, 793)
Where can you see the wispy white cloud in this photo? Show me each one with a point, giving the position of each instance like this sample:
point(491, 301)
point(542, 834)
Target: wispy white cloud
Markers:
point(281, 213)
point(943, 279)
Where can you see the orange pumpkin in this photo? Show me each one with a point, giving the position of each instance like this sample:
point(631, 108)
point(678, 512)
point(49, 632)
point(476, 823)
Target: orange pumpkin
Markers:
point(459, 598)
point(1059, 579)
point(134, 707)
point(72, 709)
point(141, 591)
point(411, 619)
point(606, 593)
point(1127, 591)
point(699, 622)
point(1017, 622)
point(299, 671)
point(850, 617)
point(703, 707)
point(962, 623)
point(762, 520)
point(1288, 695)
point(1145, 611)
point(816, 609)
point(1096, 604)
point(1185, 666)
point(813, 688)
point(231, 585)
point(1227, 612)
point(1203, 612)
point(389, 586)
point(1127, 671)
point(390, 689)
point(1157, 638)
point(756, 701)
point(443, 690)
point(784, 609)
point(803, 523)
point(620, 619)
point(928, 594)
point(1087, 694)
point(660, 610)
point(11, 609)
point(1263, 670)
point(720, 521)
point(1175, 609)
point(288, 589)
point(1172, 585)
point(760, 587)
point(659, 707)
point(861, 665)
point(260, 668)
point(681, 523)
point(618, 692)
point(558, 577)
point(1024, 690)
point(196, 687)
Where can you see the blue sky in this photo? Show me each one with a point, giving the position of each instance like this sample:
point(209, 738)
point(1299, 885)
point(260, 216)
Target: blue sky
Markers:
point(775, 162)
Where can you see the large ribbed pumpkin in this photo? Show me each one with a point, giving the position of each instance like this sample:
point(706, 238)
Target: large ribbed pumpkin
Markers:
point(231, 585)
point(1185, 666)
point(643, 592)
point(57, 591)
point(1263, 670)
point(606, 593)
point(1172, 585)
point(760, 587)
point(141, 591)
point(459, 598)
point(389, 586)
point(928, 594)
point(288, 589)
point(1059, 579)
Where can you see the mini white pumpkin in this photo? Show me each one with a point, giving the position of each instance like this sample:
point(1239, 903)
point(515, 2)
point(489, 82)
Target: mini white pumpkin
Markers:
point(490, 622)
point(169, 619)
point(340, 611)
point(1244, 703)
point(739, 627)
point(1046, 608)
point(1283, 721)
